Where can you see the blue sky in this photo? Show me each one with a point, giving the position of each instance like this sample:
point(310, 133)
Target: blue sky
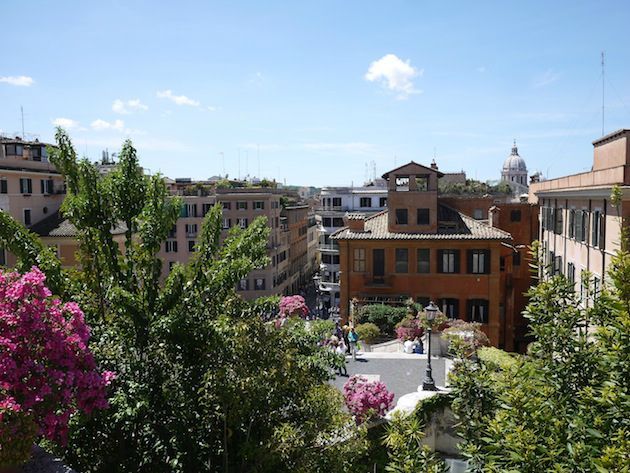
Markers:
point(319, 89)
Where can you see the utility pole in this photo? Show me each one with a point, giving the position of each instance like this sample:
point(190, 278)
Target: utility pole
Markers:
point(603, 90)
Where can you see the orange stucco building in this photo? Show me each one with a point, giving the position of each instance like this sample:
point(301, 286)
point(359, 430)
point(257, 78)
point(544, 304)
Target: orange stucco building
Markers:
point(423, 249)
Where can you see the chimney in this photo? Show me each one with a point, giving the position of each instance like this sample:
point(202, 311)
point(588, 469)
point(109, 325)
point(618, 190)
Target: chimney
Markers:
point(493, 216)
point(355, 222)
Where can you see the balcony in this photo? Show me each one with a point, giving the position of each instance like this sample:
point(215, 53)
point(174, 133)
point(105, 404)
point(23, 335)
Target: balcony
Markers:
point(328, 248)
point(370, 280)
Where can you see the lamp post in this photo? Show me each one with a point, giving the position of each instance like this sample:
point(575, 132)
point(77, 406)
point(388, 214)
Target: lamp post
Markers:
point(427, 383)
point(316, 280)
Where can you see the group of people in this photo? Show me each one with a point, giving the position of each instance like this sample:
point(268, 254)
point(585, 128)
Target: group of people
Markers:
point(344, 342)
point(413, 346)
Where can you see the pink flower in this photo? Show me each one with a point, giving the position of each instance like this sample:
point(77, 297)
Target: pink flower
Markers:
point(47, 372)
point(367, 399)
point(293, 306)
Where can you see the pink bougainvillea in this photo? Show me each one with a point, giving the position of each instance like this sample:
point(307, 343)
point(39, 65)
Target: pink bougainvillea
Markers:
point(47, 372)
point(408, 329)
point(367, 399)
point(293, 306)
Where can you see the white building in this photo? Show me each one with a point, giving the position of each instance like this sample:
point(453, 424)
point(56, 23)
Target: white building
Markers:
point(335, 202)
point(514, 172)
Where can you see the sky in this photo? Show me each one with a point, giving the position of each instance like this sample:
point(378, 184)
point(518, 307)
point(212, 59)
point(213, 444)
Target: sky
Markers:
point(319, 93)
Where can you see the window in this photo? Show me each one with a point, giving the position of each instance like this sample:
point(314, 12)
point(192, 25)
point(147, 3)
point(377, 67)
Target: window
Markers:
point(337, 222)
point(597, 235)
point(191, 229)
point(557, 265)
point(516, 259)
point(14, 150)
point(449, 307)
point(502, 263)
point(259, 205)
point(558, 221)
point(259, 284)
point(571, 273)
point(330, 259)
point(478, 310)
point(205, 208)
point(226, 205)
point(478, 214)
point(515, 216)
point(423, 301)
point(401, 216)
point(170, 246)
point(424, 265)
point(191, 246)
point(172, 233)
point(402, 260)
point(479, 261)
point(27, 217)
point(359, 260)
point(275, 204)
point(36, 153)
point(26, 185)
point(365, 202)
point(227, 223)
point(382, 202)
point(402, 183)
point(243, 285)
point(448, 261)
point(241, 205)
point(326, 222)
point(242, 222)
point(422, 183)
point(336, 201)
point(572, 223)
point(581, 225)
point(46, 186)
point(423, 216)
point(3, 186)
point(191, 210)
point(3, 257)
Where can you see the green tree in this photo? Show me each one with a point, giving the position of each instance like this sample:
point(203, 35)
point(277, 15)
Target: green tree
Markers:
point(203, 383)
point(566, 405)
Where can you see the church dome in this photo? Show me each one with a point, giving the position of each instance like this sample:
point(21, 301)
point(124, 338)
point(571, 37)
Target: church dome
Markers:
point(514, 162)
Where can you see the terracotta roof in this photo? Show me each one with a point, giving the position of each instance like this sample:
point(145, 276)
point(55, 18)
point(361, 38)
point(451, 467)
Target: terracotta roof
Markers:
point(465, 228)
point(56, 226)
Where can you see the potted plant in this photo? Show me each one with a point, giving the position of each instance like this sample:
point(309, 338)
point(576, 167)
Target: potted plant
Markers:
point(48, 371)
point(368, 333)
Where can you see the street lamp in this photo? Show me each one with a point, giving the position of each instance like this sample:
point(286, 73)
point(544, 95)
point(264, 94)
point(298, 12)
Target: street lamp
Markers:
point(316, 280)
point(427, 383)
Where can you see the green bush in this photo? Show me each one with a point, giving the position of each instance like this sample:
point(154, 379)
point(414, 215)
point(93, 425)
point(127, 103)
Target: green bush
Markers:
point(368, 332)
point(322, 329)
point(493, 357)
point(385, 317)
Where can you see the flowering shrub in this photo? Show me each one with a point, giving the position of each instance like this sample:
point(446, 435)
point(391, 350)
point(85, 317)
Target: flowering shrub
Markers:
point(465, 337)
point(367, 399)
point(47, 372)
point(293, 306)
point(409, 328)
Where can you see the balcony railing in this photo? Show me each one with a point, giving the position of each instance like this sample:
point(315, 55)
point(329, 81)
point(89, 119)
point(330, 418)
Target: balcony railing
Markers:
point(328, 247)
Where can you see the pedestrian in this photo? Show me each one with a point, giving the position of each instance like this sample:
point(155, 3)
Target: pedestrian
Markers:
point(340, 350)
point(353, 338)
point(418, 347)
point(345, 331)
point(338, 331)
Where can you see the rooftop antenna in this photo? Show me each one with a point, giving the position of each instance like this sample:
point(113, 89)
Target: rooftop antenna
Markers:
point(603, 90)
point(22, 112)
point(374, 169)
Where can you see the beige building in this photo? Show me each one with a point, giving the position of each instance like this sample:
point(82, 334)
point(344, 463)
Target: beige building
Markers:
point(30, 187)
point(579, 227)
point(240, 207)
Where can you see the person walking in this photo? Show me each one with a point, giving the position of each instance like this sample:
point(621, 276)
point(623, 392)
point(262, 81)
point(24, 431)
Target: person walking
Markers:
point(353, 338)
point(340, 349)
point(346, 331)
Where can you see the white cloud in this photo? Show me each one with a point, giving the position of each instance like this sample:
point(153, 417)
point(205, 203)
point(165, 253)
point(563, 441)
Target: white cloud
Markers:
point(100, 125)
point(177, 99)
point(546, 78)
point(21, 81)
point(130, 106)
point(66, 123)
point(395, 75)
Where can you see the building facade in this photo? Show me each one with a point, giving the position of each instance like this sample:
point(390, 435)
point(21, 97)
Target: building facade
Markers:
point(31, 189)
point(334, 203)
point(514, 172)
point(422, 249)
point(580, 227)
